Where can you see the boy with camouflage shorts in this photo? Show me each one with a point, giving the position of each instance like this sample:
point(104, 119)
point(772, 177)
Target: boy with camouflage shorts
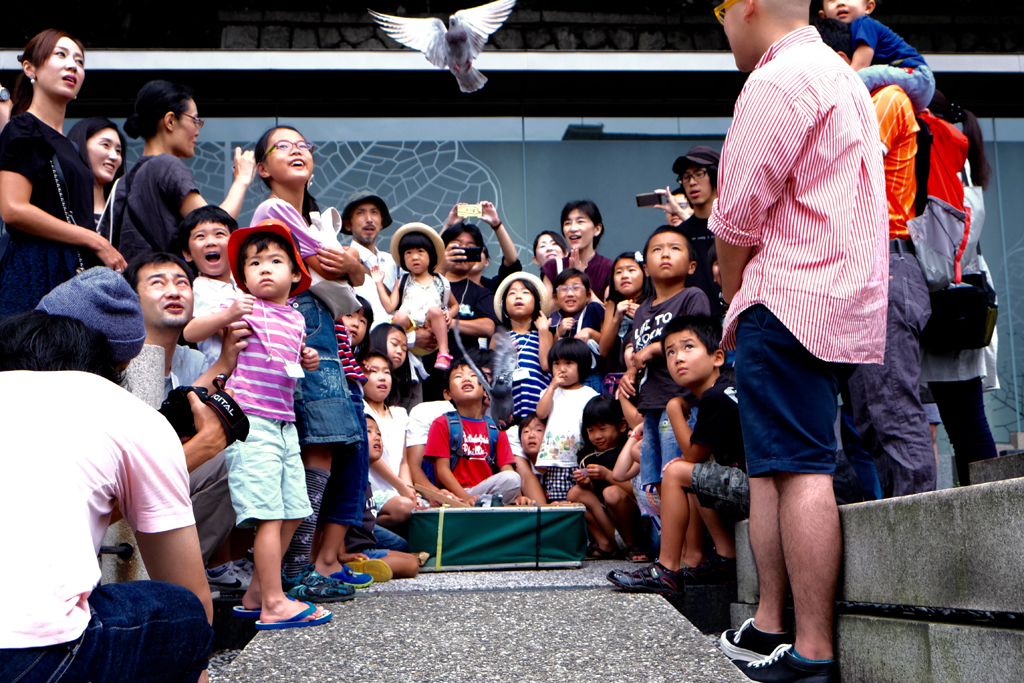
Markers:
point(711, 469)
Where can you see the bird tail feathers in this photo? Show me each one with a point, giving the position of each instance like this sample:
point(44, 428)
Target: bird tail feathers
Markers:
point(470, 80)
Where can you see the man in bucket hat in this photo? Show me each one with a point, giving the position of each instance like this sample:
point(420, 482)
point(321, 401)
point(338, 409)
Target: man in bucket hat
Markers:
point(365, 214)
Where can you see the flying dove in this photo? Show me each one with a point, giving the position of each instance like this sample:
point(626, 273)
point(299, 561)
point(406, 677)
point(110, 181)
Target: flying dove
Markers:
point(453, 48)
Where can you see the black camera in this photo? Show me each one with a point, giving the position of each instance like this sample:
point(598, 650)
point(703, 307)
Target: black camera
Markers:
point(178, 411)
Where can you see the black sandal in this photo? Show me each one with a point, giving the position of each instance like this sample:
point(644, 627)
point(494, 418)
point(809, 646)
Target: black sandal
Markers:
point(596, 553)
point(637, 555)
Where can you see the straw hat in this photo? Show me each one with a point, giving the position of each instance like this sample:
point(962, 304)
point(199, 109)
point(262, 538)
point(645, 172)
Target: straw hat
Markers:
point(281, 230)
point(499, 295)
point(396, 239)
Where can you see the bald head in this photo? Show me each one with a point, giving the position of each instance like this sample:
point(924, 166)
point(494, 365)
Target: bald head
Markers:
point(752, 26)
point(788, 10)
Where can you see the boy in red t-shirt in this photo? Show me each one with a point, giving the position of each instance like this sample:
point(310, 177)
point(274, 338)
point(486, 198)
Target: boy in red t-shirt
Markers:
point(475, 468)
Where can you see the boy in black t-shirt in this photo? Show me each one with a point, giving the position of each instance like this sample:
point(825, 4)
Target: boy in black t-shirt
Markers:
point(668, 262)
point(611, 505)
point(712, 467)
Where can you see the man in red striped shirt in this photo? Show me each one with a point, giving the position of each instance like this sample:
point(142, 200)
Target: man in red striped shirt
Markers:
point(800, 226)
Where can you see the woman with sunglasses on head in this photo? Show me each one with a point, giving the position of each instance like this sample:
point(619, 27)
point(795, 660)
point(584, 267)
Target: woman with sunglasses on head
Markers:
point(160, 189)
point(45, 187)
point(329, 408)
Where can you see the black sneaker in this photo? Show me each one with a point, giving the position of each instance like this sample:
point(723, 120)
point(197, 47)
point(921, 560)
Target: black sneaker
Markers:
point(718, 571)
point(652, 579)
point(783, 666)
point(747, 644)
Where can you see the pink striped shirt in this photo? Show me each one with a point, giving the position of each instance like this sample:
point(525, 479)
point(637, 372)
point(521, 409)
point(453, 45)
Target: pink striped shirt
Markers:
point(801, 181)
point(261, 384)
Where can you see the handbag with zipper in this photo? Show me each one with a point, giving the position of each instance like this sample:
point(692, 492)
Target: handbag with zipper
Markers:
point(964, 309)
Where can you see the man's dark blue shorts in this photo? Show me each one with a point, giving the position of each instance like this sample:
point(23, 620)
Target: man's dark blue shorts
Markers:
point(787, 399)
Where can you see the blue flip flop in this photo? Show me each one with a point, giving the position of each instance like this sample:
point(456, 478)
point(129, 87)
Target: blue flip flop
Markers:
point(297, 620)
point(240, 611)
point(246, 613)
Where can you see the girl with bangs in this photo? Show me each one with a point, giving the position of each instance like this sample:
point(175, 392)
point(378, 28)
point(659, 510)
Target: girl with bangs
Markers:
point(629, 289)
point(520, 300)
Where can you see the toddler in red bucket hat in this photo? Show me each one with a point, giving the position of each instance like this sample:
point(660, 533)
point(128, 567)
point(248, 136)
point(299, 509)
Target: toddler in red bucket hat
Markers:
point(265, 473)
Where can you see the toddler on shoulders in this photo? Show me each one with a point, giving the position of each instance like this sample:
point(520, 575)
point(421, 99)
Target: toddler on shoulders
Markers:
point(880, 56)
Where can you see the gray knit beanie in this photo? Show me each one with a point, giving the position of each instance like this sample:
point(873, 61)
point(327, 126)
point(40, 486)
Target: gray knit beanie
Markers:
point(103, 300)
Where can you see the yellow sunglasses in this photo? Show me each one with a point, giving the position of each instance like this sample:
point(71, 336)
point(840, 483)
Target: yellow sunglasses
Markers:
point(721, 9)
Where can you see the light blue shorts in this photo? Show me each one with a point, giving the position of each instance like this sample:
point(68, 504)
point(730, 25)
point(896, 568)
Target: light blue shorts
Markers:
point(659, 446)
point(265, 474)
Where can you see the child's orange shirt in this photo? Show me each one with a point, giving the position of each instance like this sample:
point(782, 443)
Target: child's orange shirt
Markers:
point(898, 129)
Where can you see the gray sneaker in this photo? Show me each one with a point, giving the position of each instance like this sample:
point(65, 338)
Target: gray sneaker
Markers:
point(230, 577)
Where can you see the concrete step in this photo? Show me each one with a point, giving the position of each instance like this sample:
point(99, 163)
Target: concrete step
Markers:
point(553, 625)
point(959, 548)
point(1009, 465)
point(230, 632)
point(880, 650)
point(707, 607)
point(575, 635)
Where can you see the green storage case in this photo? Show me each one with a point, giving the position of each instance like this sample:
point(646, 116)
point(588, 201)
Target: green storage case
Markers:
point(516, 537)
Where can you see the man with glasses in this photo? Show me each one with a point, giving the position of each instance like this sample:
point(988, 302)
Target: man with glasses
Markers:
point(697, 172)
point(800, 226)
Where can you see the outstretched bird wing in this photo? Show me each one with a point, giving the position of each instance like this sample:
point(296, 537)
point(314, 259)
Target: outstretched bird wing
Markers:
point(482, 21)
point(425, 35)
point(503, 365)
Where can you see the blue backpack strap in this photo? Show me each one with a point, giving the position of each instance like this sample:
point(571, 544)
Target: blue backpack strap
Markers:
point(492, 431)
point(455, 435)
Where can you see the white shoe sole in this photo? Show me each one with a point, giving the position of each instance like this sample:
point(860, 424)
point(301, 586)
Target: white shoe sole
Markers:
point(738, 653)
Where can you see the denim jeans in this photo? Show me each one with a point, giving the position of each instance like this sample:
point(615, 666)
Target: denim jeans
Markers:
point(140, 632)
point(659, 446)
point(323, 412)
point(919, 85)
point(345, 495)
point(389, 540)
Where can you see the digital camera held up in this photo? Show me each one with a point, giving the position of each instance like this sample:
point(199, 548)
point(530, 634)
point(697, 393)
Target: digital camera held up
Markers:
point(178, 411)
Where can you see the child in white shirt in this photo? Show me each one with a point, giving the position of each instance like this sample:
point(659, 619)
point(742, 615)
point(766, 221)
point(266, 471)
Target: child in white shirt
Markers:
point(203, 236)
point(562, 405)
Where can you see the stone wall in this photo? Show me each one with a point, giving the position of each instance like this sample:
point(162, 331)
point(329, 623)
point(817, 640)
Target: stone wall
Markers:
point(692, 27)
point(936, 26)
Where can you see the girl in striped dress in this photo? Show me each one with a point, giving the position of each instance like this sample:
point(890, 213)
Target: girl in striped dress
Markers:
point(521, 300)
